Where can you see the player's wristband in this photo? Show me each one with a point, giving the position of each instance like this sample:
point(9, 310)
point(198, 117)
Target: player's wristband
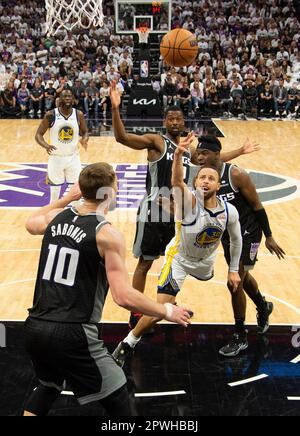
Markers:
point(169, 310)
point(263, 220)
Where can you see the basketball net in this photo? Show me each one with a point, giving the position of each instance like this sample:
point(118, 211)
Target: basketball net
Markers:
point(143, 33)
point(68, 14)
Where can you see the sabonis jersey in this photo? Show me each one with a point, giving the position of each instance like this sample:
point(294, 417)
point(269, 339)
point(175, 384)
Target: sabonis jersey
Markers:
point(71, 282)
point(229, 193)
point(159, 173)
point(64, 133)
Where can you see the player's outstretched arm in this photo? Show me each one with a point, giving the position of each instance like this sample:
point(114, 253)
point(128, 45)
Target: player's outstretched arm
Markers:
point(184, 199)
point(243, 182)
point(248, 148)
point(38, 222)
point(42, 129)
point(136, 142)
point(111, 246)
point(236, 244)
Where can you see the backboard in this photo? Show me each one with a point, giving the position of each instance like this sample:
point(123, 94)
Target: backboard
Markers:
point(136, 13)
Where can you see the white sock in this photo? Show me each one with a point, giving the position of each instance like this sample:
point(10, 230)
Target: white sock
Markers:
point(132, 340)
point(54, 193)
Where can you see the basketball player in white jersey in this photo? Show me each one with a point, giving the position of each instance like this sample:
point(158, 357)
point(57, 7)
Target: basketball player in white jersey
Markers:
point(201, 220)
point(65, 124)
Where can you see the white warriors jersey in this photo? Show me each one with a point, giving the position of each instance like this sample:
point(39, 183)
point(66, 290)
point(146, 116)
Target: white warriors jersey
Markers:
point(64, 134)
point(198, 236)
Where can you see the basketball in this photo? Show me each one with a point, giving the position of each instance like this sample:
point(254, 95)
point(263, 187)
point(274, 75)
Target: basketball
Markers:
point(179, 48)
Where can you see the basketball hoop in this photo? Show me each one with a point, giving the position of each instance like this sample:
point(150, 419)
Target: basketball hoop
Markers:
point(68, 14)
point(143, 33)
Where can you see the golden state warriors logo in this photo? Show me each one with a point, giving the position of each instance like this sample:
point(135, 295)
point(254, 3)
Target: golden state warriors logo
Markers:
point(209, 236)
point(66, 134)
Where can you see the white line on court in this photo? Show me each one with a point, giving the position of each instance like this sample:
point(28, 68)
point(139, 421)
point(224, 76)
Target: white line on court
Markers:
point(159, 394)
point(16, 282)
point(248, 380)
point(293, 398)
point(216, 282)
point(296, 360)
point(23, 250)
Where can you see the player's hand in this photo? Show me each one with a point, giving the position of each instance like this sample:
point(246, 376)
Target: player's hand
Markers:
point(177, 314)
point(84, 143)
point(233, 281)
point(185, 144)
point(50, 149)
point(115, 97)
point(250, 147)
point(274, 248)
point(74, 194)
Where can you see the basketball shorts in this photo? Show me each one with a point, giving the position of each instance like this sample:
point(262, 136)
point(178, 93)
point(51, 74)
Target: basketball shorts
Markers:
point(72, 355)
point(63, 169)
point(151, 238)
point(251, 244)
point(176, 268)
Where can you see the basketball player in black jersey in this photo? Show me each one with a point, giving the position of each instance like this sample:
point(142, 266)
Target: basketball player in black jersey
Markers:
point(238, 189)
point(154, 229)
point(82, 256)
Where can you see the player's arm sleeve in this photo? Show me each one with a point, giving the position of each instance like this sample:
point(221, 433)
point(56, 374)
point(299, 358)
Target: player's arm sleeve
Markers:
point(184, 199)
point(236, 240)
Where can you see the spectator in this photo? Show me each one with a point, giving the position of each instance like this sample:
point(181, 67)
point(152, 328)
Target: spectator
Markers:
point(223, 89)
point(23, 97)
point(184, 98)
point(197, 93)
point(91, 99)
point(169, 91)
point(236, 105)
point(281, 100)
point(250, 97)
point(36, 98)
point(104, 98)
point(293, 97)
point(50, 96)
point(79, 94)
point(85, 75)
point(8, 101)
point(266, 102)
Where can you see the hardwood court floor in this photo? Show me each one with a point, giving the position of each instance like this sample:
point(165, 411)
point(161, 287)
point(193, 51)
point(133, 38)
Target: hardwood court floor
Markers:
point(279, 280)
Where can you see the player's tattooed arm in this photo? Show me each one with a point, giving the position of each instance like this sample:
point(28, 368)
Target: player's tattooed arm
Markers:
point(248, 148)
point(42, 129)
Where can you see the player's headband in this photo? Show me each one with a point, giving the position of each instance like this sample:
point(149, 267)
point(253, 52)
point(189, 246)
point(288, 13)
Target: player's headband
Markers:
point(209, 145)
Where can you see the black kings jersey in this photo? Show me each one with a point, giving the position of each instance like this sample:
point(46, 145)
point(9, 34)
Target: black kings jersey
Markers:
point(229, 193)
point(71, 283)
point(159, 173)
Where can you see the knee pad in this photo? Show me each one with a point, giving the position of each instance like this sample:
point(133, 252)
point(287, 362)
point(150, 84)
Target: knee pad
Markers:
point(41, 400)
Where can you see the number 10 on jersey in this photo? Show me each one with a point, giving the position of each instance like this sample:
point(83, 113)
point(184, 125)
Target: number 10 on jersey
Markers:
point(57, 260)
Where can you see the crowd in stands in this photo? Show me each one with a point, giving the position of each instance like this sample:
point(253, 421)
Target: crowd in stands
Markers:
point(248, 61)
